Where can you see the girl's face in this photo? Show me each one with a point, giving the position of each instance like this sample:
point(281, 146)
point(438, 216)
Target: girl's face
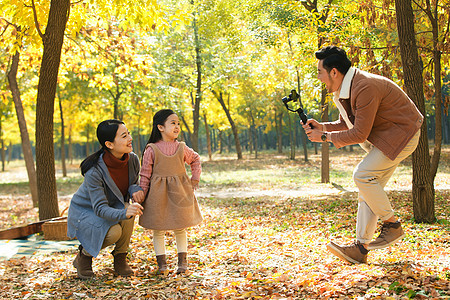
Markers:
point(171, 128)
point(122, 142)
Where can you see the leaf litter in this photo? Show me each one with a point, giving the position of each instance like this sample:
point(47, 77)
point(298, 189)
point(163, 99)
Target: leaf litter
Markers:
point(259, 247)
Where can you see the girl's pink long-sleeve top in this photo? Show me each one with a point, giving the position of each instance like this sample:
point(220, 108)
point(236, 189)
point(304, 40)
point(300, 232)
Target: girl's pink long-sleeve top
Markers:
point(168, 148)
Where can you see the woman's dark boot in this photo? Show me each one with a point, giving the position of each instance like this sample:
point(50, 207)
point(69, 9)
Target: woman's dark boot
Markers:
point(182, 262)
point(162, 264)
point(121, 266)
point(83, 264)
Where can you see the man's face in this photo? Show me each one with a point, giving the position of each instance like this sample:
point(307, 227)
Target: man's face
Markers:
point(328, 78)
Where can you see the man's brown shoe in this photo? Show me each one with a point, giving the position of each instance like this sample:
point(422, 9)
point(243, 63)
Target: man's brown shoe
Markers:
point(353, 253)
point(391, 232)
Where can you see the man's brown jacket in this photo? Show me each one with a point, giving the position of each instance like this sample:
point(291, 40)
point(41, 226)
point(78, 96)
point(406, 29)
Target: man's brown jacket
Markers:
point(381, 113)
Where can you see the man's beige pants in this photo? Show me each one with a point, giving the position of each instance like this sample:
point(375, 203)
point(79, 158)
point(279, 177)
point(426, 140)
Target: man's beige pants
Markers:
point(371, 176)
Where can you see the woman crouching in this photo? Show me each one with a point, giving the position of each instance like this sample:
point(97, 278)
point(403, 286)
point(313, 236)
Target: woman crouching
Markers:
point(100, 213)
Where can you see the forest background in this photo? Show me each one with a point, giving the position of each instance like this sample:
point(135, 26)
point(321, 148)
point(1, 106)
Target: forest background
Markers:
point(223, 66)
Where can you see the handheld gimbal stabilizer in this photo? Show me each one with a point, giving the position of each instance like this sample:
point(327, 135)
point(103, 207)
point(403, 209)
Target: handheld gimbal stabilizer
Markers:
point(293, 96)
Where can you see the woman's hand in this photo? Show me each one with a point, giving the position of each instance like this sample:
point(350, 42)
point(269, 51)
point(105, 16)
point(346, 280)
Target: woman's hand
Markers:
point(134, 209)
point(138, 197)
point(194, 184)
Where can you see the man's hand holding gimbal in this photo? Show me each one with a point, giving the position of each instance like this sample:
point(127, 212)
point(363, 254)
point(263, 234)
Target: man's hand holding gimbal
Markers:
point(315, 133)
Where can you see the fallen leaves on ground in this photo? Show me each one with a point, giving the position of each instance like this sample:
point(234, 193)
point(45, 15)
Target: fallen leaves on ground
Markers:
point(258, 247)
point(255, 248)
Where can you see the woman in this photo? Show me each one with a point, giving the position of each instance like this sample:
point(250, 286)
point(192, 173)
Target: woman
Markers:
point(100, 213)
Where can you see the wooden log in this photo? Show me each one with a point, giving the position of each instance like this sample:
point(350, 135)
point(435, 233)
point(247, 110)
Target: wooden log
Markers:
point(25, 230)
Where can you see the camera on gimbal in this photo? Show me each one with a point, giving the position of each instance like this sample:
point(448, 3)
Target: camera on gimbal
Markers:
point(294, 97)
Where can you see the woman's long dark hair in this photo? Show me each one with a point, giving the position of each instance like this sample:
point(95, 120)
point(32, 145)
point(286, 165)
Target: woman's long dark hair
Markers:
point(106, 132)
point(158, 119)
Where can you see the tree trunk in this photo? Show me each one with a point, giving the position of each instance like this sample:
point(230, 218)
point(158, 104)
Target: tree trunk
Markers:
point(422, 185)
point(26, 144)
point(325, 162)
point(117, 112)
point(294, 139)
point(254, 134)
point(138, 146)
point(70, 150)
point(45, 156)
point(2, 146)
point(63, 138)
point(116, 108)
point(438, 95)
point(213, 140)
point(250, 140)
point(208, 137)
point(187, 128)
point(219, 97)
point(10, 152)
point(265, 137)
point(279, 128)
point(313, 8)
point(198, 88)
point(291, 139)
point(303, 134)
point(220, 142)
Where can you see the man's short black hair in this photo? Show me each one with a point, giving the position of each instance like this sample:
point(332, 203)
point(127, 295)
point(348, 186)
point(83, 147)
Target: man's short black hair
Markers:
point(334, 57)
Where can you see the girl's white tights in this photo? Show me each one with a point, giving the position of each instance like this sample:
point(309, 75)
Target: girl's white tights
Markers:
point(160, 244)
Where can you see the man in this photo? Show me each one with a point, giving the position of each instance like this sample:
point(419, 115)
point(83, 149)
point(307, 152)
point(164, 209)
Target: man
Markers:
point(378, 115)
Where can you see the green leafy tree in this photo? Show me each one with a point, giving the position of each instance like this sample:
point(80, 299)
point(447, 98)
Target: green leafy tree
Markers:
point(12, 32)
point(53, 17)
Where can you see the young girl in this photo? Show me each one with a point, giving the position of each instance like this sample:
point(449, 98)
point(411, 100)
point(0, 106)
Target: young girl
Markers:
point(170, 203)
point(100, 213)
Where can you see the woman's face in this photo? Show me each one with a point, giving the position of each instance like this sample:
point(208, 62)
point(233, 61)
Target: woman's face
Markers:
point(171, 128)
point(122, 142)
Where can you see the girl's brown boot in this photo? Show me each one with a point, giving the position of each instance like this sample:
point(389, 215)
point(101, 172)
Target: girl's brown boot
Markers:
point(162, 265)
point(182, 262)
